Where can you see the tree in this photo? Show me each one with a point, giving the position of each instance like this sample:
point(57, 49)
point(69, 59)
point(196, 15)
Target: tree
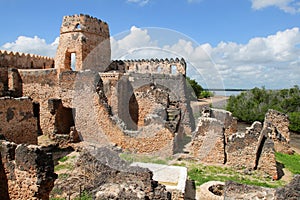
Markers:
point(197, 89)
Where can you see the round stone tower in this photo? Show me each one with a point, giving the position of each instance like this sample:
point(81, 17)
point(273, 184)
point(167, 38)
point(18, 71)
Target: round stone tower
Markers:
point(85, 38)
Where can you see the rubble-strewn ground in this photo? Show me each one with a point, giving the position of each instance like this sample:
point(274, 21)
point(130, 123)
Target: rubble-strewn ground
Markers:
point(201, 173)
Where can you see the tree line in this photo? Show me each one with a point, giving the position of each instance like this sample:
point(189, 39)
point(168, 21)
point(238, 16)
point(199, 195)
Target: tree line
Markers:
point(252, 105)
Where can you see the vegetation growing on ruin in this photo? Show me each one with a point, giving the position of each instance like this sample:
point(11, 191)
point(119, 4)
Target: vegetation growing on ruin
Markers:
point(290, 162)
point(203, 173)
point(252, 105)
point(143, 158)
point(196, 91)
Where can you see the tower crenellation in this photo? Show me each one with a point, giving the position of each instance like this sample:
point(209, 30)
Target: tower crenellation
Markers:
point(84, 23)
point(87, 39)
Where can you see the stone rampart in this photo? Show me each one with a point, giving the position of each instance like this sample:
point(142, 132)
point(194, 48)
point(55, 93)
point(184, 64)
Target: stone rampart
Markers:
point(24, 61)
point(18, 122)
point(28, 172)
point(162, 66)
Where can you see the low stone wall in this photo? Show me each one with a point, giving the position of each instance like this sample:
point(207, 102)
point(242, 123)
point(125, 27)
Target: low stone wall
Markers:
point(29, 172)
point(208, 143)
point(18, 122)
point(240, 191)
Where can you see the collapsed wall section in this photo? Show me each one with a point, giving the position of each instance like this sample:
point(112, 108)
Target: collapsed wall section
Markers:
point(208, 143)
point(29, 171)
point(18, 122)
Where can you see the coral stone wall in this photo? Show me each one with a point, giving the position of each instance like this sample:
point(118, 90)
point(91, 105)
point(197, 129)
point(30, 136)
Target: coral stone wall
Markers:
point(86, 37)
point(281, 123)
point(230, 122)
point(29, 171)
point(267, 160)
point(41, 85)
point(155, 66)
point(208, 141)
point(24, 61)
point(18, 122)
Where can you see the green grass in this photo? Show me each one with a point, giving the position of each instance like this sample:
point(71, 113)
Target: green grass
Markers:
point(143, 158)
point(63, 176)
point(63, 159)
point(202, 174)
point(84, 196)
point(290, 162)
point(68, 166)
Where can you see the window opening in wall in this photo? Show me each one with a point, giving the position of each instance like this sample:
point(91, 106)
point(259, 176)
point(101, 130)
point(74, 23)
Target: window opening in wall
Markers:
point(31, 64)
point(78, 27)
point(73, 61)
point(36, 113)
point(173, 69)
point(159, 69)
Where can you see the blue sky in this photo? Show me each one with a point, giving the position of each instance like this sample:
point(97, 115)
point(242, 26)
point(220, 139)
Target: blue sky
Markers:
point(244, 43)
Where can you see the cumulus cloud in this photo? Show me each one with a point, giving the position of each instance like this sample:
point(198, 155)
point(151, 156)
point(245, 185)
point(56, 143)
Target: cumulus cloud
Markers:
point(289, 6)
point(33, 45)
point(139, 2)
point(271, 61)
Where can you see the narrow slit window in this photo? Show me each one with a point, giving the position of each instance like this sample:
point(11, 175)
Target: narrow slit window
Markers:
point(73, 61)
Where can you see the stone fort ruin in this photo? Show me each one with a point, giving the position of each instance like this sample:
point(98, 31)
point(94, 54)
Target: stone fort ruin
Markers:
point(140, 106)
point(105, 101)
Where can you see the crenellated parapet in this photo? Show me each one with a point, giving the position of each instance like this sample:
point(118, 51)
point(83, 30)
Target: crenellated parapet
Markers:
point(85, 38)
point(24, 60)
point(84, 23)
point(160, 66)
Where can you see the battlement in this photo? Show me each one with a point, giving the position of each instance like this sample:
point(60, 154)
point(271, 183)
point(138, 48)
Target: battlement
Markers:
point(84, 23)
point(25, 60)
point(161, 66)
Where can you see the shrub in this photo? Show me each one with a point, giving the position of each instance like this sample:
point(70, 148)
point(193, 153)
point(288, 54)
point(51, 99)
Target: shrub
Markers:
point(252, 105)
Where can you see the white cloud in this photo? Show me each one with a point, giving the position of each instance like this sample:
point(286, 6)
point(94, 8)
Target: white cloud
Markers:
point(289, 6)
point(33, 45)
point(133, 41)
point(272, 61)
point(139, 2)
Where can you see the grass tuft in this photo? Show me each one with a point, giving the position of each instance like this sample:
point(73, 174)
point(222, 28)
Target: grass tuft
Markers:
point(290, 162)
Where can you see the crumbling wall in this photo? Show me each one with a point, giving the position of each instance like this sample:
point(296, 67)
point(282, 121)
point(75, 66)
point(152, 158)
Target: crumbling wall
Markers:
point(104, 175)
point(241, 148)
point(24, 61)
point(276, 126)
point(265, 159)
point(230, 122)
point(234, 191)
point(208, 143)
point(41, 85)
point(29, 171)
point(3, 80)
point(17, 120)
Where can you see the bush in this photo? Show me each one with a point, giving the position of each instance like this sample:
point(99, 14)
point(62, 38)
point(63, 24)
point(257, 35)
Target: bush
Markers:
point(252, 105)
point(196, 88)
